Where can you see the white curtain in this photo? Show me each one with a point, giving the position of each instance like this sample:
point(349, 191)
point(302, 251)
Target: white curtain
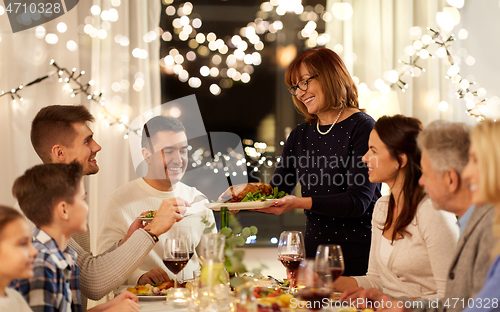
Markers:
point(377, 34)
point(24, 57)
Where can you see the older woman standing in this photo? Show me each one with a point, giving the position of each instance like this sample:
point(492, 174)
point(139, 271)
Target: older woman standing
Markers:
point(324, 156)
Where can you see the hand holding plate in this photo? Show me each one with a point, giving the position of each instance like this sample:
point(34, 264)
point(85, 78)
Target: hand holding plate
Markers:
point(170, 211)
point(288, 203)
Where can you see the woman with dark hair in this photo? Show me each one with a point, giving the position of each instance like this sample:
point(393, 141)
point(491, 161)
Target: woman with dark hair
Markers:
point(324, 156)
point(412, 243)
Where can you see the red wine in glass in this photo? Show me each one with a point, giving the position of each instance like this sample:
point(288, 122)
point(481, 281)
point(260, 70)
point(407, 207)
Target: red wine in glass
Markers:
point(336, 273)
point(314, 282)
point(175, 256)
point(191, 253)
point(175, 265)
point(291, 262)
point(291, 251)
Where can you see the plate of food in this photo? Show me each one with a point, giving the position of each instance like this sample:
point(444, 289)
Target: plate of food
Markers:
point(247, 196)
point(148, 292)
point(147, 217)
point(241, 206)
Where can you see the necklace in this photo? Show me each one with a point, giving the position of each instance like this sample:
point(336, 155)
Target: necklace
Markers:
point(331, 127)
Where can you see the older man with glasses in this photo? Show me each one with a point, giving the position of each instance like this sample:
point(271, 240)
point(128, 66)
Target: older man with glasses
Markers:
point(445, 147)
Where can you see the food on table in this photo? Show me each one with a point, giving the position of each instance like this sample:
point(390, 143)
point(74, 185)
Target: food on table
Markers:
point(250, 192)
point(153, 290)
point(273, 301)
point(151, 214)
point(262, 292)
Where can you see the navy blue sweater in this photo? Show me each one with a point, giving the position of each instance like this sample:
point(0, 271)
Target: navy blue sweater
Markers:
point(330, 171)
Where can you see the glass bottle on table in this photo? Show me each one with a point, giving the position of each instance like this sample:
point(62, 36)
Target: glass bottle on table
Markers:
point(291, 251)
point(213, 270)
point(214, 292)
point(175, 255)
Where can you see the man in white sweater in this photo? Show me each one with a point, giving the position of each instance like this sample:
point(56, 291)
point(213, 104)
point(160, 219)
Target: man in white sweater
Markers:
point(165, 150)
point(60, 134)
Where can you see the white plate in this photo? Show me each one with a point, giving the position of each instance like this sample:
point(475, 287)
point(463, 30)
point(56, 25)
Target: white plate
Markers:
point(145, 219)
point(241, 206)
point(122, 288)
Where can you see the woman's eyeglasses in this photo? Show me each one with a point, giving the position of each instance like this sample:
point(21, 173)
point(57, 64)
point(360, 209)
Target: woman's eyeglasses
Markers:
point(302, 85)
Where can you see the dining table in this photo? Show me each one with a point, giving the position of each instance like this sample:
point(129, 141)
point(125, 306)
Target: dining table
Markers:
point(159, 305)
point(162, 306)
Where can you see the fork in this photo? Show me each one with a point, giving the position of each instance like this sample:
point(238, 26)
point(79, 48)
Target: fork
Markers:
point(198, 198)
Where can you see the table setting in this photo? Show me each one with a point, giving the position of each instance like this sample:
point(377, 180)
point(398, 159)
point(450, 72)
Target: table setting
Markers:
point(308, 286)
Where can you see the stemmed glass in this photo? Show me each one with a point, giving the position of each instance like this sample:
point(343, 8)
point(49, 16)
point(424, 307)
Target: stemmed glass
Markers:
point(186, 233)
point(291, 251)
point(176, 255)
point(333, 258)
point(314, 283)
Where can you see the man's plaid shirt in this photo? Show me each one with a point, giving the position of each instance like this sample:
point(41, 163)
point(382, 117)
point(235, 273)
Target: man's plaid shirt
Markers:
point(55, 286)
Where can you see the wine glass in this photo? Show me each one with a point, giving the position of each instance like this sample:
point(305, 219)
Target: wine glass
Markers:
point(291, 251)
point(185, 231)
point(175, 255)
point(333, 258)
point(314, 283)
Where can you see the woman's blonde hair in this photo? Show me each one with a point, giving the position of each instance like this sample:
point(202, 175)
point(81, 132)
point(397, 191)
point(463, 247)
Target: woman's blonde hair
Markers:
point(485, 139)
point(336, 83)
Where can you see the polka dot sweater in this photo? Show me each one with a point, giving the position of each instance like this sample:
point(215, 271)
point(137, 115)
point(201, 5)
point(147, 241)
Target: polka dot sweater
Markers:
point(330, 171)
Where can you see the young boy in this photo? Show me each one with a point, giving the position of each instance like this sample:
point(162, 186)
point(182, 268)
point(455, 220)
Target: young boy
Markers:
point(53, 197)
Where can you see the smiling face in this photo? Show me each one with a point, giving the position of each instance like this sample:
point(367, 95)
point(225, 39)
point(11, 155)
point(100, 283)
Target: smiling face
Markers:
point(471, 176)
point(313, 98)
point(170, 158)
point(16, 251)
point(382, 167)
point(84, 149)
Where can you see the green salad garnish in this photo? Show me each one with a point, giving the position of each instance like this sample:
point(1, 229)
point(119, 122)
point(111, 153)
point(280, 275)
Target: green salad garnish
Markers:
point(259, 196)
point(151, 214)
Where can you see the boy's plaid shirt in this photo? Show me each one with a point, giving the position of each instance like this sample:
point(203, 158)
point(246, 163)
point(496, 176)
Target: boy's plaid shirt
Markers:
point(55, 286)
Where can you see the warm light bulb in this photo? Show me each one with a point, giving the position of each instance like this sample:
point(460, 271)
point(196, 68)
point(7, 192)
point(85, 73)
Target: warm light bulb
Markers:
point(445, 20)
point(443, 106)
point(342, 11)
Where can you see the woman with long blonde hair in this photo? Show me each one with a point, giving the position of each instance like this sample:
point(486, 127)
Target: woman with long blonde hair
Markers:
point(482, 173)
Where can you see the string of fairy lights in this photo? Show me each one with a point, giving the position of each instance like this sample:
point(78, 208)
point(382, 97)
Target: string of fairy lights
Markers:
point(233, 59)
point(421, 49)
point(72, 79)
